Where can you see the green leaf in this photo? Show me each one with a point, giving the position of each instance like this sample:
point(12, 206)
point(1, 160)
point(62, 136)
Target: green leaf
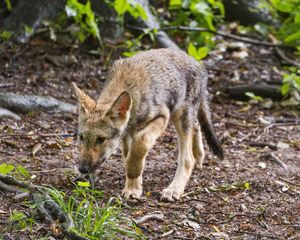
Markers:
point(120, 6)
point(175, 4)
point(293, 37)
point(83, 184)
point(247, 185)
point(130, 54)
point(202, 52)
point(285, 88)
point(297, 18)
point(8, 5)
point(28, 30)
point(284, 7)
point(6, 168)
point(201, 7)
point(6, 35)
point(192, 51)
point(253, 96)
point(23, 171)
point(141, 11)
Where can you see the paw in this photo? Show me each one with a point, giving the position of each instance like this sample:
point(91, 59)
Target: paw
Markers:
point(134, 193)
point(170, 194)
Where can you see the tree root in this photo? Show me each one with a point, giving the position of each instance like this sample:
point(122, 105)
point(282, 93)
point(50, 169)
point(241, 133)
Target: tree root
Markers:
point(48, 208)
point(28, 103)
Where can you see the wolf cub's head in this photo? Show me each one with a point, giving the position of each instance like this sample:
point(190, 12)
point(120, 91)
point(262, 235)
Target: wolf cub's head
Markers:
point(100, 127)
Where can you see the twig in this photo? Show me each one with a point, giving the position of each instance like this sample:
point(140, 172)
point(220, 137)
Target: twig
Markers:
point(282, 55)
point(154, 216)
point(257, 235)
point(4, 85)
point(242, 215)
point(8, 188)
point(194, 199)
point(12, 181)
point(226, 35)
point(167, 233)
point(275, 159)
point(244, 137)
point(262, 144)
point(65, 135)
point(289, 182)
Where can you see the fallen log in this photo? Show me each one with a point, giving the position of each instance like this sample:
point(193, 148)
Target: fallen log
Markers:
point(263, 90)
point(162, 38)
point(4, 113)
point(28, 103)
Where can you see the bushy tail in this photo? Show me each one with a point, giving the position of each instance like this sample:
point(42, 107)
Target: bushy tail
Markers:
point(207, 127)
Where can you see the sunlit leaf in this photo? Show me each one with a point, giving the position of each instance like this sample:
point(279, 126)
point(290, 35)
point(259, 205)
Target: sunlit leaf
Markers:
point(6, 168)
point(285, 88)
point(83, 184)
point(8, 5)
point(284, 7)
point(175, 4)
point(23, 171)
point(120, 6)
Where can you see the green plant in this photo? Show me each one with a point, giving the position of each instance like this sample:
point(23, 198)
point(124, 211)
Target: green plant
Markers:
point(133, 8)
point(8, 5)
point(5, 35)
point(21, 219)
point(18, 170)
point(290, 81)
point(84, 16)
point(92, 218)
point(288, 13)
point(197, 13)
point(254, 97)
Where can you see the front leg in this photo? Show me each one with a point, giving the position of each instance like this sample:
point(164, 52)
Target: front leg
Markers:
point(135, 160)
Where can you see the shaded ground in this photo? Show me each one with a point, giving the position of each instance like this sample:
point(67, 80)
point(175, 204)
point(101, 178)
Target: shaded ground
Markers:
point(270, 209)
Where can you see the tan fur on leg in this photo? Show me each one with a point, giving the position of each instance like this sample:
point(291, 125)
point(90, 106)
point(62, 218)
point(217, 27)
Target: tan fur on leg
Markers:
point(139, 148)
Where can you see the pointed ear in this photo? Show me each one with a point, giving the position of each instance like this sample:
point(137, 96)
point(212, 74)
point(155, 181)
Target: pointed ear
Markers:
point(86, 103)
point(121, 107)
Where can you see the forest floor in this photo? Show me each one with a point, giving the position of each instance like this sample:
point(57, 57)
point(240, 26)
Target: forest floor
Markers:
point(218, 202)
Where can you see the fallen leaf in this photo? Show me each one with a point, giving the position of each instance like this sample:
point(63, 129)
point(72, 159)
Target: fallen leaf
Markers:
point(192, 224)
point(262, 165)
point(36, 148)
point(282, 145)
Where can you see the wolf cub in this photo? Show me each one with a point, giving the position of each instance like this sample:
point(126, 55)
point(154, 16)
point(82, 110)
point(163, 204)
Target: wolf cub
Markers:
point(143, 93)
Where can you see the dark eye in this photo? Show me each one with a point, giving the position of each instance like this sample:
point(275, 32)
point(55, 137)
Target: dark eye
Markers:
point(81, 137)
point(100, 140)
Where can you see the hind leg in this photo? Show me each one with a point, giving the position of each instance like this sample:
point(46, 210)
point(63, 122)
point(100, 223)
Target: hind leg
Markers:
point(198, 149)
point(186, 161)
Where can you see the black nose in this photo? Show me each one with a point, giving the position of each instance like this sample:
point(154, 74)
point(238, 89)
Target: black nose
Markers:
point(84, 169)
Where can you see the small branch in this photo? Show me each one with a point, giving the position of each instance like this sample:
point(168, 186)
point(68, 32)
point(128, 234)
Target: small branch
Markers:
point(226, 35)
point(281, 54)
point(64, 135)
point(167, 233)
point(261, 144)
point(155, 216)
point(8, 188)
point(275, 159)
point(242, 215)
point(4, 85)
point(289, 182)
point(12, 181)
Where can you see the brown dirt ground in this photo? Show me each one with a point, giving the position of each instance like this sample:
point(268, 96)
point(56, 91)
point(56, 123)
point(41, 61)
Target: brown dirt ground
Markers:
point(270, 209)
